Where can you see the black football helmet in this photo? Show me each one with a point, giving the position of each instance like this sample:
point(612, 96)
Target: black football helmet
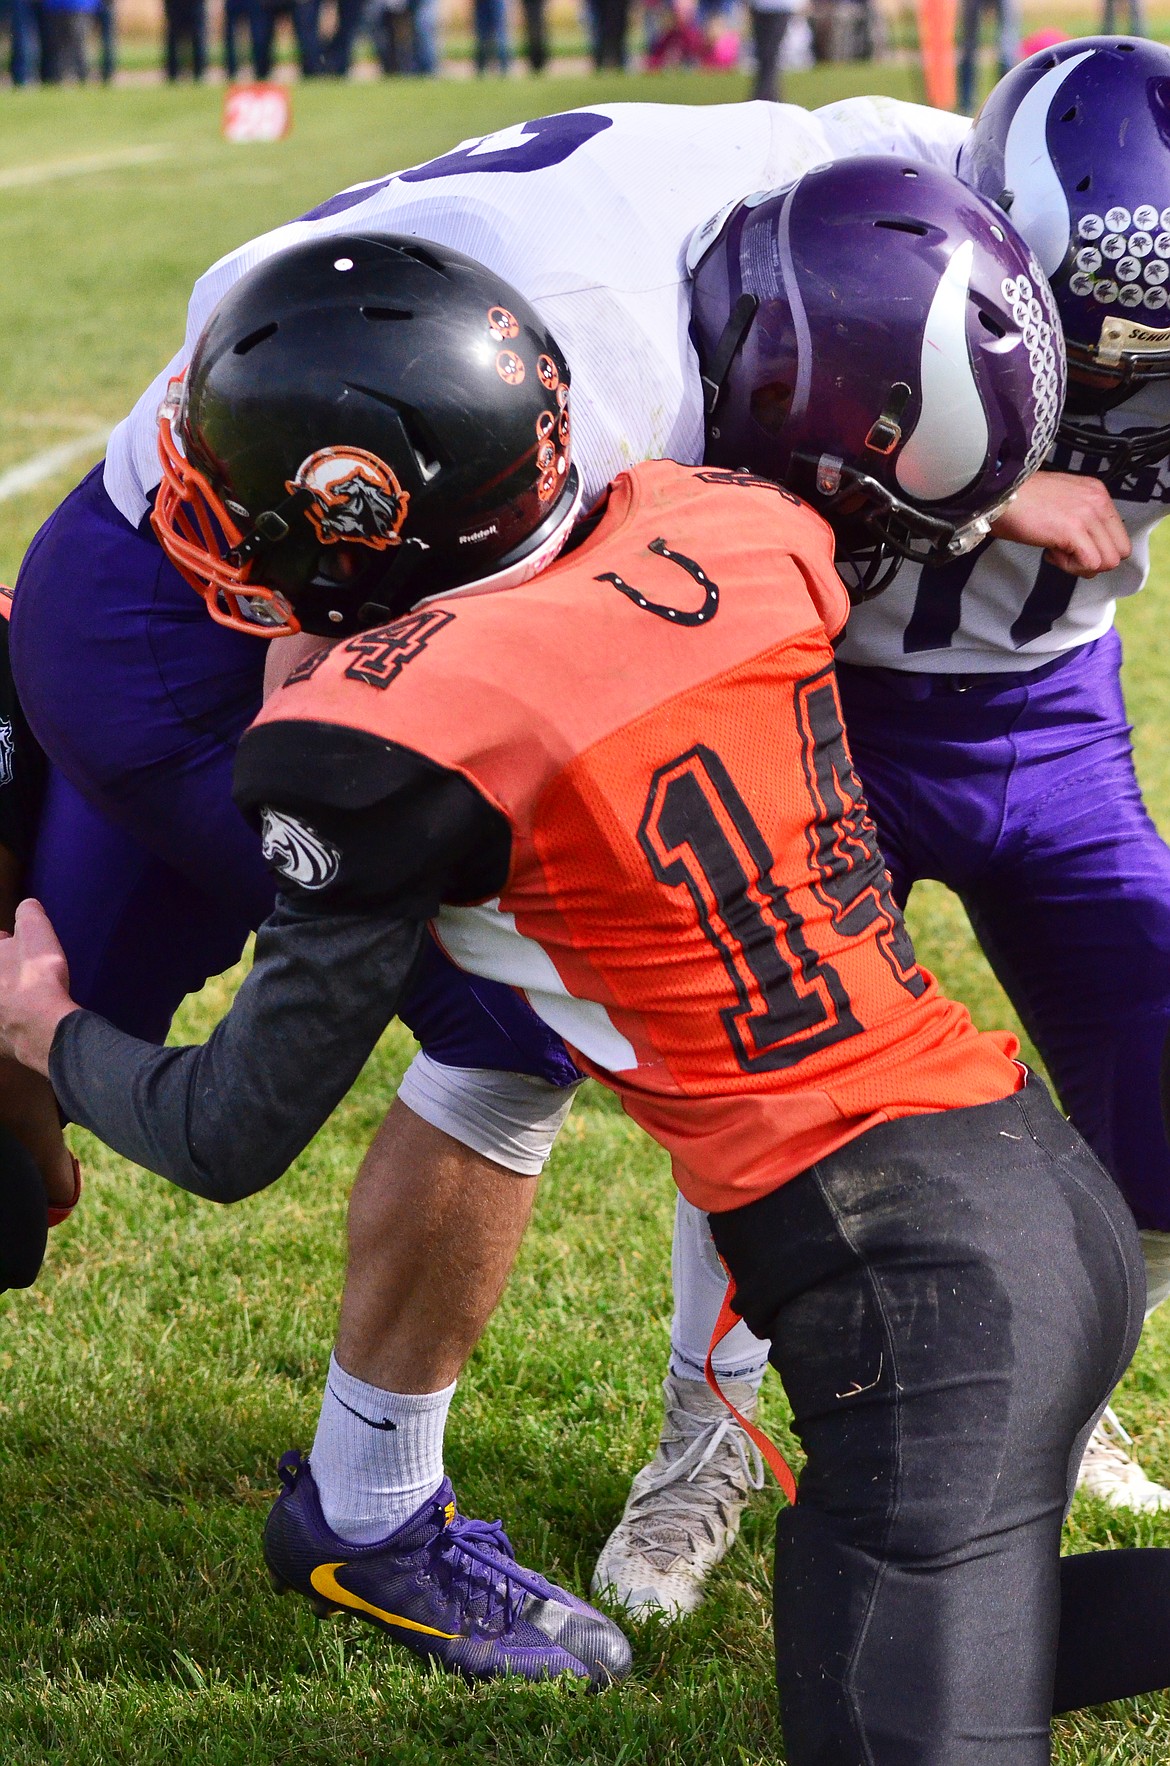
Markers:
point(366, 421)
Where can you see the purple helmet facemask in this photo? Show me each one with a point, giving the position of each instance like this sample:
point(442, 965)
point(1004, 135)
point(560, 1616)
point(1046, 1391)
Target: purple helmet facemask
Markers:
point(1075, 142)
point(879, 339)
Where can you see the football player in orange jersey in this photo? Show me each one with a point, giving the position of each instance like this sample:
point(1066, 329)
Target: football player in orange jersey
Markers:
point(643, 813)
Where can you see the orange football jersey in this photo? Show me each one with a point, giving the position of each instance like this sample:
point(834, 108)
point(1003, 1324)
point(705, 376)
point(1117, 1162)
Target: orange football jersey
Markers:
point(696, 901)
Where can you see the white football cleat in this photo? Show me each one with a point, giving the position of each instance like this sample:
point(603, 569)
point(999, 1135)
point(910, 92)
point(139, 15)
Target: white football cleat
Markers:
point(1108, 1472)
point(684, 1508)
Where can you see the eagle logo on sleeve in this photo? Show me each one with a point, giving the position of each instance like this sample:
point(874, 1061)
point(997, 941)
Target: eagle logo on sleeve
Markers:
point(297, 851)
point(355, 498)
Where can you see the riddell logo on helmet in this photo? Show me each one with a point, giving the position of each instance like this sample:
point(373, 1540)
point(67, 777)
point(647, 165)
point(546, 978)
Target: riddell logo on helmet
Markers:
point(356, 498)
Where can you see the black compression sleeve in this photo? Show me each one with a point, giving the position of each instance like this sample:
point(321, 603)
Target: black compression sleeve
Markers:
point(227, 1119)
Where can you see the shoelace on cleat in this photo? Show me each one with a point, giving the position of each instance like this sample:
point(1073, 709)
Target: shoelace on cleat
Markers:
point(672, 1530)
point(483, 1577)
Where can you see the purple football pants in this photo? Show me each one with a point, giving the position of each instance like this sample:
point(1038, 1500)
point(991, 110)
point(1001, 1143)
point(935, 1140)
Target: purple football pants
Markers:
point(1019, 793)
point(150, 874)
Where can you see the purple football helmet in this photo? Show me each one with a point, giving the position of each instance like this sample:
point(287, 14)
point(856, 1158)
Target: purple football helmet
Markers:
point(1075, 144)
point(878, 338)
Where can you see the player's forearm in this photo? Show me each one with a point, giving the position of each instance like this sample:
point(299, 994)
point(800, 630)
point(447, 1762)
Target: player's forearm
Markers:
point(227, 1119)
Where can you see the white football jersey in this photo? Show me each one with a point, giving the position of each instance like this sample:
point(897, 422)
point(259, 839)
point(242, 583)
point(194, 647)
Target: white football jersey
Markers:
point(589, 215)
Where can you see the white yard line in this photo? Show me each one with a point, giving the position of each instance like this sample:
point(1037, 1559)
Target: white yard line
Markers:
point(31, 473)
point(45, 171)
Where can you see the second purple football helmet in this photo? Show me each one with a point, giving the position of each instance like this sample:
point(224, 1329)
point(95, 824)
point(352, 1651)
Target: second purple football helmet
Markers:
point(1075, 143)
point(878, 338)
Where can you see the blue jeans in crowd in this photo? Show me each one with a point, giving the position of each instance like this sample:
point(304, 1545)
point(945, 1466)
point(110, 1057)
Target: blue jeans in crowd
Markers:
point(491, 35)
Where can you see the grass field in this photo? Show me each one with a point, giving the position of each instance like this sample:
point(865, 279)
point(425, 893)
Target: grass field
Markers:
point(172, 1351)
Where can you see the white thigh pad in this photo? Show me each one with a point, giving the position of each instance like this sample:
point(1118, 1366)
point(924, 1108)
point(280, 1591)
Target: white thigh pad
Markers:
point(512, 1118)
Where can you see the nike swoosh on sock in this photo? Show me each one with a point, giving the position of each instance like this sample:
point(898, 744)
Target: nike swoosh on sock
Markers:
point(386, 1423)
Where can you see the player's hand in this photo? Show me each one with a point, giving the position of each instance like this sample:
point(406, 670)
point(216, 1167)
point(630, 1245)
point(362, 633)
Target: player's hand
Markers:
point(1075, 520)
point(34, 988)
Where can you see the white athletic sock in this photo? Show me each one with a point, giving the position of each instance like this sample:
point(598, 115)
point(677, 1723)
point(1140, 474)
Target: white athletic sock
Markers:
point(377, 1455)
point(700, 1283)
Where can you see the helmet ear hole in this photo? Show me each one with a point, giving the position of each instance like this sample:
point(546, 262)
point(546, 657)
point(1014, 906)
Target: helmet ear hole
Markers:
point(770, 406)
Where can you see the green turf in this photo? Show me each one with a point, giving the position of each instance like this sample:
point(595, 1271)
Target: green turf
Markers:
point(172, 1351)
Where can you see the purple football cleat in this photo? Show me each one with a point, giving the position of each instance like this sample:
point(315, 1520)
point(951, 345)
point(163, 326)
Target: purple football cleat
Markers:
point(448, 1588)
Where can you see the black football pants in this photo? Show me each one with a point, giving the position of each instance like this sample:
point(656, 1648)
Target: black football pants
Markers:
point(950, 1300)
point(23, 1215)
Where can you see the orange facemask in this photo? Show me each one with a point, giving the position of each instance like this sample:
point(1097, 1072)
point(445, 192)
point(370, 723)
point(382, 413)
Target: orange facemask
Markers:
point(201, 538)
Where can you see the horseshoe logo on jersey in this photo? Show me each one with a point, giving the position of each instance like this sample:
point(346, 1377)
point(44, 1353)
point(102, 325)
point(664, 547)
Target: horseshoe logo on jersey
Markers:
point(676, 615)
point(355, 498)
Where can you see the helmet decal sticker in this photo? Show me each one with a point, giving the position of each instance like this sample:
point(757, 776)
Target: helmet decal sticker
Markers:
point(545, 424)
point(297, 851)
point(548, 373)
point(502, 324)
point(1034, 311)
point(949, 442)
point(1129, 270)
point(510, 368)
point(356, 498)
point(1040, 210)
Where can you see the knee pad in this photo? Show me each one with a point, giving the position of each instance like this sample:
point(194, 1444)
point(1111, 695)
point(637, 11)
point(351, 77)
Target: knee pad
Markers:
point(512, 1118)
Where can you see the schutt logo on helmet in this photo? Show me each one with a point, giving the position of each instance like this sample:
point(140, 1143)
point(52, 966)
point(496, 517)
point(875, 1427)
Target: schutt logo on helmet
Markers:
point(356, 498)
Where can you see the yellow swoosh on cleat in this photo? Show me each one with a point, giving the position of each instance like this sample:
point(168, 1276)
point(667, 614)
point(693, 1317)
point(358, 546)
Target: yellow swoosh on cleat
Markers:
point(324, 1580)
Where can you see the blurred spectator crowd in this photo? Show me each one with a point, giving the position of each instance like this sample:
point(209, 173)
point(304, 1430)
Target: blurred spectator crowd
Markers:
point(55, 40)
